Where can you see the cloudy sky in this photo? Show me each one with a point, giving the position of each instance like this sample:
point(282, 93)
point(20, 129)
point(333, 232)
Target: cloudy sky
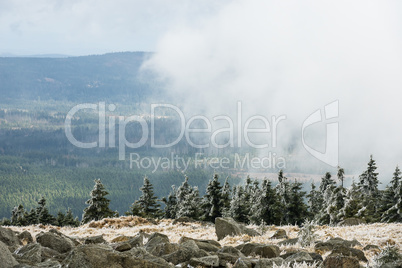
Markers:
point(277, 57)
point(81, 27)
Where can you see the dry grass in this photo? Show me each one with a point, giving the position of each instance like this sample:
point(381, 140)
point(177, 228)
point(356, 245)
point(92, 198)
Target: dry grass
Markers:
point(379, 234)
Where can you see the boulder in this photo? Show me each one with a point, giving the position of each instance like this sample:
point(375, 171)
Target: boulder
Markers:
point(122, 246)
point(332, 242)
point(269, 263)
point(51, 254)
point(55, 241)
point(340, 261)
point(137, 241)
point(121, 238)
point(255, 249)
point(280, 234)
point(351, 222)
point(229, 227)
point(103, 256)
point(300, 256)
point(207, 261)
point(231, 250)
point(25, 238)
point(207, 245)
point(30, 254)
point(6, 258)
point(186, 251)
point(346, 251)
point(243, 263)
point(164, 249)
point(225, 258)
point(8, 237)
point(94, 240)
point(141, 253)
point(371, 247)
point(154, 240)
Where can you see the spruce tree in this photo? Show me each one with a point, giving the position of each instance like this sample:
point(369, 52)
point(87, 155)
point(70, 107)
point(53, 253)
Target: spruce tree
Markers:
point(238, 209)
point(170, 210)
point(368, 187)
point(283, 190)
point(226, 193)
point(297, 209)
point(266, 209)
point(341, 175)
point(190, 206)
point(43, 215)
point(147, 203)
point(314, 202)
point(18, 216)
point(69, 219)
point(212, 203)
point(60, 219)
point(352, 202)
point(98, 204)
point(31, 217)
point(392, 200)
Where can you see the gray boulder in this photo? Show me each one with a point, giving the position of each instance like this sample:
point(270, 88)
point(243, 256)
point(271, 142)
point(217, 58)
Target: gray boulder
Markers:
point(332, 242)
point(94, 240)
point(289, 242)
point(229, 227)
point(255, 249)
point(207, 245)
point(30, 254)
point(141, 253)
point(186, 251)
point(154, 240)
point(300, 256)
point(8, 237)
point(280, 234)
point(346, 251)
point(6, 258)
point(269, 263)
point(55, 241)
point(103, 256)
point(340, 261)
point(207, 261)
point(25, 238)
point(243, 263)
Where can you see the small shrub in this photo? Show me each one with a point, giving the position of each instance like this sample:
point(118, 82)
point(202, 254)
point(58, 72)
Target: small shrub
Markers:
point(306, 234)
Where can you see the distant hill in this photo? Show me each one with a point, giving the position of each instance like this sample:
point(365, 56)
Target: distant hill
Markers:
point(112, 77)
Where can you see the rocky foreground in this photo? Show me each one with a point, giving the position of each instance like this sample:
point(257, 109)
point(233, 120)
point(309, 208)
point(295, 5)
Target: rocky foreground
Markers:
point(136, 242)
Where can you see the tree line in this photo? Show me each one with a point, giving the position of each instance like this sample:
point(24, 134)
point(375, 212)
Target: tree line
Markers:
point(254, 202)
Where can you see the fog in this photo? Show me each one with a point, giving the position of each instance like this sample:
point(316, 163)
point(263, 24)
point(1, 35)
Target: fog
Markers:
point(292, 58)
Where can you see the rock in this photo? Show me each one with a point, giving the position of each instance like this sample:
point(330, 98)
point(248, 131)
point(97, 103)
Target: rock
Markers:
point(269, 263)
point(207, 245)
point(332, 242)
point(154, 240)
point(51, 254)
point(9, 238)
point(186, 251)
point(103, 256)
point(254, 249)
point(340, 261)
point(25, 238)
point(137, 241)
point(6, 258)
point(94, 240)
point(48, 264)
point(229, 227)
point(351, 222)
point(164, 249)
point(55, 241)
point(316, 257)
point(395, 264)
point(231, 250)
point(225, 258)
point(31, 253)
point(346, 251)
point(122, 246)
point(300, 256)
point(243, 263)
point(370, 247)
point(280, 234)
point(141, 253)
point(121, 238)
point(183, 220)
point(291, 241)
point(207, 261)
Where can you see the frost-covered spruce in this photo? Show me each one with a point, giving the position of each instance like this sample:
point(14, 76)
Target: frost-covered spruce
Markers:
point(391, 206)
point(238, 210)
point(190, 205)
point(98, 204)
point(212, 202)
point(146, 205)
point(170, 210)
point(306, 236)
point(266, 207)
